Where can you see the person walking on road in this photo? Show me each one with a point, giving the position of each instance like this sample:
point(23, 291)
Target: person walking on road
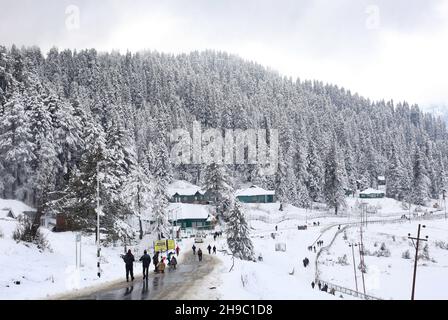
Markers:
point(129, 262)
point(214, 249)
point(276, 228)
point(194, 249)
point(146, 261)
point(209, 248)
point(177, 250)
point(173, 262)
point(161, 266)
point(312, 284)
point(200, 254)
point(155, 260)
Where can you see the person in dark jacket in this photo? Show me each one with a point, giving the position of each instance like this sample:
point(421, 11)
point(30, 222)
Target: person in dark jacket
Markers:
point(209, 248)
point(200, 254)
point(173, 262)
point(313, 284)
point(155, 260)
point(177, 250)
point(214, 249)
point(146, 261)
point(129, 262)
point(194, 249)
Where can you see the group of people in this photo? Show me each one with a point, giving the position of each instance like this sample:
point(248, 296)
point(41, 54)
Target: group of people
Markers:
point(311, 248)
point(209, 248)
point(159, 266)
point(316, 223)
point(323, 288)
point(217, 234)
point(320, 243)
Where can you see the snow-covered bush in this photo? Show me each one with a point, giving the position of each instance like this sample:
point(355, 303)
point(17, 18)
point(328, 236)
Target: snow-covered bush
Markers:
point(27, 231)
point(424, 254)
point(383, 252)
point(439, 244)
point(343, 261)
point(404, 205)
point(406, 255)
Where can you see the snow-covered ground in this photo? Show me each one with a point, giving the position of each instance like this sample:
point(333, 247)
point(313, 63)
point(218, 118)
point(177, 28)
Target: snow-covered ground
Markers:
point(390, 277)
point(281, 275)
point(48, 273)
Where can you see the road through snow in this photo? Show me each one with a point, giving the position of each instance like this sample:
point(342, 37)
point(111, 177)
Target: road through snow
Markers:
point(172, 285)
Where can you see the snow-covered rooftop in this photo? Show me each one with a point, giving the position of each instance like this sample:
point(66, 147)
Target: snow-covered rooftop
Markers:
point(371, 191)
point(184, 188)
point(17, 208)
point(182, 211)
point(254, 191)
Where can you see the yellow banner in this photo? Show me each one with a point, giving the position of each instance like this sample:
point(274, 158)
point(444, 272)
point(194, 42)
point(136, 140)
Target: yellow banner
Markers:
point(160, 245)
point(171, 244)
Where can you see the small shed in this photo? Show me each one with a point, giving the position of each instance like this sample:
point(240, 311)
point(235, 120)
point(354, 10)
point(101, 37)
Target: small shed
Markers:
point(371, 194)
point(255, 194)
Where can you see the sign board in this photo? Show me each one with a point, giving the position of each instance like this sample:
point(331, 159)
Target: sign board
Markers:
point(171, 244)
point(160, 245)
point(164, 245)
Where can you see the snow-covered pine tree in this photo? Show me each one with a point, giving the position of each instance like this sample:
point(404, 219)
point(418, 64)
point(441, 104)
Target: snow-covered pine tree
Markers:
point(46, 165)
point(217, 184)
point(160, 193)
point(315, 173)
point(334, 179)
point(238, 235)
point(421, 182)
point(16, 149)
point(395, 176)
point(137, 192)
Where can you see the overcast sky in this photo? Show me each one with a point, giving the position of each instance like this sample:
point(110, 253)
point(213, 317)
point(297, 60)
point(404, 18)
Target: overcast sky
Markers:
point(391, 49)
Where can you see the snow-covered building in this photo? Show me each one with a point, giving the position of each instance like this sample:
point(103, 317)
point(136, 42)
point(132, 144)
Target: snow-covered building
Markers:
point(190, 216)
point(185, 192)
point(255, 194)
point(14, 209)
point(371, 193)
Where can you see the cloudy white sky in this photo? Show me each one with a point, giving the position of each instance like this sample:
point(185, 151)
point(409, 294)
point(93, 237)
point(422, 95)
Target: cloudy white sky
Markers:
point(391, 49)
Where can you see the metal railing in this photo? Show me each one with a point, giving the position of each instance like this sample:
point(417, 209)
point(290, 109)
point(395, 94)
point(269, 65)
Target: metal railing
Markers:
point(344, 290)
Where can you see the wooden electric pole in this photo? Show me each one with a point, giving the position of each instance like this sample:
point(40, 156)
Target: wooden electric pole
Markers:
point(418, 239)
point(352, 245)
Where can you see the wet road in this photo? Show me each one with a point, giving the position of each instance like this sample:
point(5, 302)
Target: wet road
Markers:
point(173, 284)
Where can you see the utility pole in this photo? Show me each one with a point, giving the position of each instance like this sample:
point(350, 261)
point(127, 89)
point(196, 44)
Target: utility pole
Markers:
point(444, 200)
point(418, 239)
point(98, 210)
point(352, 245)
point(361, 258)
